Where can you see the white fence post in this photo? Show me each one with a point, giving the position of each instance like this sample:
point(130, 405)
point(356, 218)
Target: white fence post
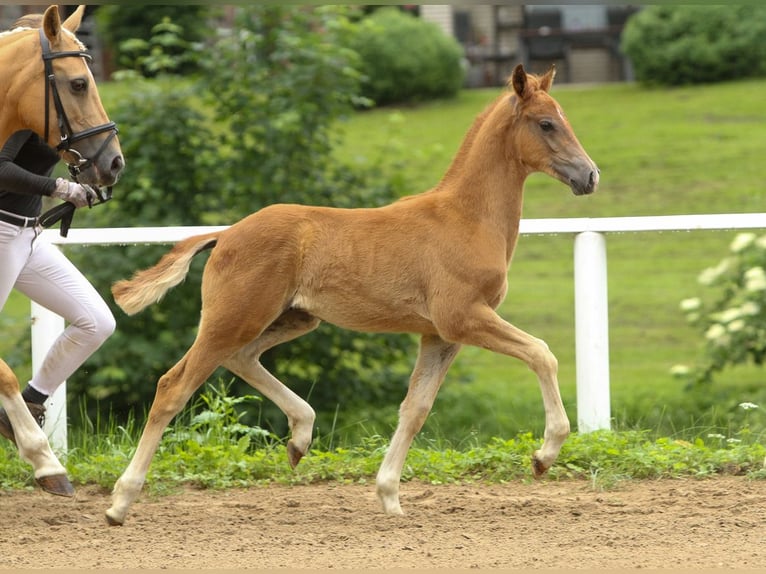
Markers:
point(46, 327)
point(591, 332)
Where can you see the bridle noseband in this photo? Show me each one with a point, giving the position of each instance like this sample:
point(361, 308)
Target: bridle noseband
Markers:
point(74, 160)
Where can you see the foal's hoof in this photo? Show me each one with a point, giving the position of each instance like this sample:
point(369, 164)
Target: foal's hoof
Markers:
point(294, 455)
point(57, 484)
point(538, 468)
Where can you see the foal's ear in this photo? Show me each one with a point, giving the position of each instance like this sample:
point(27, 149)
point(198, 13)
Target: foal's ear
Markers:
point(52, 25)
point(547, 80)
point(73, 22)
point(518, 81)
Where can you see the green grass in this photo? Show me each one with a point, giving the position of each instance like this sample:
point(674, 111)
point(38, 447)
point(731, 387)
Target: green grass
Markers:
point(206, 447)
point(661, 152)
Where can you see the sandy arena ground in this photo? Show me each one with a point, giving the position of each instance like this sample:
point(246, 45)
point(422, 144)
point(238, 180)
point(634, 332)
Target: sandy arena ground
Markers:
point(690, 524)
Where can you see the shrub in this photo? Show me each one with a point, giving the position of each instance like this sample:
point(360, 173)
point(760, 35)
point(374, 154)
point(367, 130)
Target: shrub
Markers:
point(733, 318)
point(277, 89)
point(676, 45)
point(406, 59)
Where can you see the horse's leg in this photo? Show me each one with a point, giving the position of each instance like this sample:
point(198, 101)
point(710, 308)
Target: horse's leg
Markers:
point(434, 358)
point(481, 327)
point(31, 441)
point(245, 363)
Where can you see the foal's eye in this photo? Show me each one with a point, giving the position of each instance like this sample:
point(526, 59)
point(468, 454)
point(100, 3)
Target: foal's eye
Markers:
point(79, 85)
point(546, 125)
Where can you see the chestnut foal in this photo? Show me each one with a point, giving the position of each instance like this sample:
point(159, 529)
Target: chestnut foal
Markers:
point(434, 264)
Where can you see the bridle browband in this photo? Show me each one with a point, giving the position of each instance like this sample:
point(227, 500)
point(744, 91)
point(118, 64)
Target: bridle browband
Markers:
point(76, 163)
point(73, 159)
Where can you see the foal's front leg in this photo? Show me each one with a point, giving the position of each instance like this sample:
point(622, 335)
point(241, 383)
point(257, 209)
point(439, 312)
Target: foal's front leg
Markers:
point(434, 359)
point(482, 327)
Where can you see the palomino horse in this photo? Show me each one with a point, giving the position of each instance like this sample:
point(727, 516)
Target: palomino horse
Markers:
point(435, 264)
point(47, 86)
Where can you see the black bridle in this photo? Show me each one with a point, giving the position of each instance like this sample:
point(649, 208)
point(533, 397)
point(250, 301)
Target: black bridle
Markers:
point(73, 159)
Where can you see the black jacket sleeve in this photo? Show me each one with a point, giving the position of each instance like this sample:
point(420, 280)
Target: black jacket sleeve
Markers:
point(23, 160)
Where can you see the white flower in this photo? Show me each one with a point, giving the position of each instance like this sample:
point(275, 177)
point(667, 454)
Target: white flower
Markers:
point(711, 274)
point(736, 325)
point(679, 370)
point(691, 304)
point(716, 435)
point(748, 406)
point(741, 241)
point(750, 308)
point(755, 279)
point(728, 315)
point(717, 335)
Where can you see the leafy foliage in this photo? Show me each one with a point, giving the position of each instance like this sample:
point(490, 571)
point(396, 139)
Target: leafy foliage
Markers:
point(686, 44)
point(733, 318)
point(407, 59)
point(135, 31)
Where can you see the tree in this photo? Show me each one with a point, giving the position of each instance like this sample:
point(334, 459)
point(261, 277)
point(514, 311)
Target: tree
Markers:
point(276, 88)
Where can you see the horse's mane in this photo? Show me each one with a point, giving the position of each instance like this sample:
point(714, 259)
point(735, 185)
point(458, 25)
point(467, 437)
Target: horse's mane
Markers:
point(33, 22)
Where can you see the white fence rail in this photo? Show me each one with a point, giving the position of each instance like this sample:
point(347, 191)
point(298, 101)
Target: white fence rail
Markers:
point(590, 279)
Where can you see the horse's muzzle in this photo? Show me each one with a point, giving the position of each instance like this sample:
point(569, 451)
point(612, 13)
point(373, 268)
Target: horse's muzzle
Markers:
point(586, 184)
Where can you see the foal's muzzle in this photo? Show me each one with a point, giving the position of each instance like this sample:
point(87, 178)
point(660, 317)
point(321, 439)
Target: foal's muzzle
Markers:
point(586, 184)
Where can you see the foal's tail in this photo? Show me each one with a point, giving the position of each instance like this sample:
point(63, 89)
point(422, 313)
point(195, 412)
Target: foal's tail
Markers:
point(150, 285)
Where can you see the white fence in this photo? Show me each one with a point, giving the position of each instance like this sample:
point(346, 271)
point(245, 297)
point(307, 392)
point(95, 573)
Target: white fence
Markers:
point(590, 283)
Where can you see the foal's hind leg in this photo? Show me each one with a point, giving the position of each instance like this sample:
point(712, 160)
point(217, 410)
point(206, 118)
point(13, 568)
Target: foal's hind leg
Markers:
point(245, 363)
point(434, 359)
point(173, 391)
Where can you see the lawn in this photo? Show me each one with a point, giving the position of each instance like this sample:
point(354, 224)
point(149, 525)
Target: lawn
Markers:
point(661, 152)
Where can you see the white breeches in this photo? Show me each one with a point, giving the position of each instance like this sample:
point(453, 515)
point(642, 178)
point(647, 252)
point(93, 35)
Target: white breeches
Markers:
point(41, 272)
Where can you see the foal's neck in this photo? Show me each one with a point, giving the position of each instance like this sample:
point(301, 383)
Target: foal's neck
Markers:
point(485, 180)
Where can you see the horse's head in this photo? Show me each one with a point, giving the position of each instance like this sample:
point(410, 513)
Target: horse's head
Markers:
point(544, 139)
point(71, 118)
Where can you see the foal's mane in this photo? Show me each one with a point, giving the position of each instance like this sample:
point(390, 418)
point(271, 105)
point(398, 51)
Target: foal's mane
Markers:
point(509, 99)
point(470, 137)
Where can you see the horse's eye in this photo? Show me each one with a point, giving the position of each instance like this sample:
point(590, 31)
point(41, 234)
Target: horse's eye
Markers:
point(79, 85)
point(546, 125)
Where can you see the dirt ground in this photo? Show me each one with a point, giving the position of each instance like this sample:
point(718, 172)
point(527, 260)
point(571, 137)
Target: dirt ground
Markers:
point(690, 524)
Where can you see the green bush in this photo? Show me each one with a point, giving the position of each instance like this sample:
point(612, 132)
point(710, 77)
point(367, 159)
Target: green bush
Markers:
point(733, 317)
point(406, 59)
point(274, 93)
point(677, 45)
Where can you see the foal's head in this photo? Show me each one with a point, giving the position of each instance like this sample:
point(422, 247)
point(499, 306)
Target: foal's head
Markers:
point(543, 139)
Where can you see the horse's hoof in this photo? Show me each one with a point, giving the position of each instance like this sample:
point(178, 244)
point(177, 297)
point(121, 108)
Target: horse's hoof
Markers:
point(111, 521)
point(57, 484)
point(538, 468)
point(294, 455)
